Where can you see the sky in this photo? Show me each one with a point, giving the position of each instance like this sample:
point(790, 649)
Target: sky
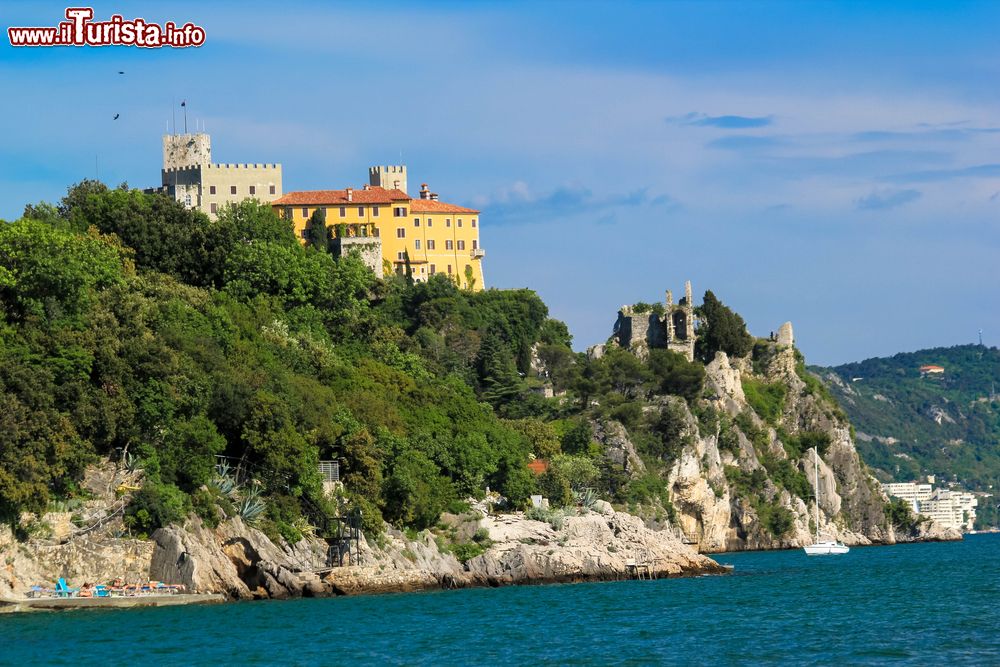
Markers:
point(832, 164)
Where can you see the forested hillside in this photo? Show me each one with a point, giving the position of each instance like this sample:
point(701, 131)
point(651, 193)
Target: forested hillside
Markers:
point(137, 330)
point(912, 424)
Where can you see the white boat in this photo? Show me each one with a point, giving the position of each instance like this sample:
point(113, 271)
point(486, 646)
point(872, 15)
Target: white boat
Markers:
point(822, 547)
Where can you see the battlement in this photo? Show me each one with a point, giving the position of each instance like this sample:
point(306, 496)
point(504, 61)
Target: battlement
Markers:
point(243, 165)
point(388, 176)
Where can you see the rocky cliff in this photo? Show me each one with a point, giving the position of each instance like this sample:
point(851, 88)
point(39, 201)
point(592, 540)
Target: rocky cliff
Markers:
point(745, 478)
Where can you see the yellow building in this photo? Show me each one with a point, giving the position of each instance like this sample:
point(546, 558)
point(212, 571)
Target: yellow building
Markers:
point(438, 237)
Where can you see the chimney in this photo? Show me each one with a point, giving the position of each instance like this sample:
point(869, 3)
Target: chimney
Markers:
point(367, 187)
point(350, 194)
point(424, 192)
point(434, 196)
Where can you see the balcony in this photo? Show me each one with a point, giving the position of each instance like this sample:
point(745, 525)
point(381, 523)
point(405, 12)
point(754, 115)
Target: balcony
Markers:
point(477, 253)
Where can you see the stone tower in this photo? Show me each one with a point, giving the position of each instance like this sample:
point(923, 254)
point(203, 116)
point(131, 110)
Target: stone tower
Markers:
point(679, 320)
point(186, 150)
point(388, 176)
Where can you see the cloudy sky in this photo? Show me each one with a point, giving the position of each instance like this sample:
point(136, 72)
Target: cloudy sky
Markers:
point(832, 164)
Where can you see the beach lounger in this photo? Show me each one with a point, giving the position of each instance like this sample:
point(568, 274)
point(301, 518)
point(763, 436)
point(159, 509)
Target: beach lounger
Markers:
point(64, 591)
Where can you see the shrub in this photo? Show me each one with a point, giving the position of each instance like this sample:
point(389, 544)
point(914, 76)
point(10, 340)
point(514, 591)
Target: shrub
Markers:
point(797, 445)
point(156, 505)
point(775, 518)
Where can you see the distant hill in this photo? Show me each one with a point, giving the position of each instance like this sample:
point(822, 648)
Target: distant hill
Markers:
point(912, 422)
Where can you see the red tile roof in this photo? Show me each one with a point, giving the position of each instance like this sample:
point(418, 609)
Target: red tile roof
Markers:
point(373, 195)
point(431, 206)
point(538, 466)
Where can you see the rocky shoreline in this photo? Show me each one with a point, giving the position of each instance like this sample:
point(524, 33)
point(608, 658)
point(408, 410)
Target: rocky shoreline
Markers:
point(241, 563)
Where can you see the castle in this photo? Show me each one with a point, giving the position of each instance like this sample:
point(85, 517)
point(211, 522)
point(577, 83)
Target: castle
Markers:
point(673, 330)
point(189, 176)
point(392, 230)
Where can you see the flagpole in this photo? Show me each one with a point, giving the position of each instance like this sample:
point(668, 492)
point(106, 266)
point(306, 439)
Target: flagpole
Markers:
point(184, 104)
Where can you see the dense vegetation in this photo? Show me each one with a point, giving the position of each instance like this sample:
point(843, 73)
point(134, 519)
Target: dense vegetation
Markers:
point(947, 425)
point(135, 329)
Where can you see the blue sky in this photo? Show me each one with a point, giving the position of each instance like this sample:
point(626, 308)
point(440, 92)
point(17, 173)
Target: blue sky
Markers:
point(832, 164)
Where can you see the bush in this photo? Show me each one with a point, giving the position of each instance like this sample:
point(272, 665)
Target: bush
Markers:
point(900, 515)
point(775, 518)
point(784, 474)
point(156, 505)
point(797, 445)
point(729, 439)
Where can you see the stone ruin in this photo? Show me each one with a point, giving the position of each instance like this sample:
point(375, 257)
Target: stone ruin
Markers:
point(674, 330)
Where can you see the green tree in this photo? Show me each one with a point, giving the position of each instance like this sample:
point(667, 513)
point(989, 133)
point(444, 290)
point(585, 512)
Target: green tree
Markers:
point(317, 233)
point(720, 329)
point(674, 374)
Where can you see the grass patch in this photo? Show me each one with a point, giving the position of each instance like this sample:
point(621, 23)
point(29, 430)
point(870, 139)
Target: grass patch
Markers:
point(767, 400)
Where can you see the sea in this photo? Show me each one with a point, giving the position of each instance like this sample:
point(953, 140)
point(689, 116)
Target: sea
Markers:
point(912, 604)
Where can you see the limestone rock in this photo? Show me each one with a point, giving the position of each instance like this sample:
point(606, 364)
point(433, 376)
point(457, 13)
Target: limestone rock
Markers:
point(617, 446)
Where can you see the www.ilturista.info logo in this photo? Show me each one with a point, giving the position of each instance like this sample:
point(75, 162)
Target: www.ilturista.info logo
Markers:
point(81, 30)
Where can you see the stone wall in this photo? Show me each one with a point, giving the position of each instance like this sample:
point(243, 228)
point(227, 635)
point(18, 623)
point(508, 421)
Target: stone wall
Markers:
point(369, 249)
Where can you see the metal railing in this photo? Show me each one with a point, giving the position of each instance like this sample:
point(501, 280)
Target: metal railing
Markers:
point(330, 471)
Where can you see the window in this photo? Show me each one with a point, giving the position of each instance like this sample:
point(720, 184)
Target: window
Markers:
point(447, 245)
point(343, 211)
point(401, 255)
point(324, 211)
point(232, 189)
point(271, 190)
point(447, 222)
point(215, 208)
point(374, 211)
point(475, 244)
point(473, 222)
point(253, 189)
point(459, 222)
point(288, 213)
point(416, 244)
point(361, 211)
point(211, 189)
point(377, 233)
point(433, 270)
point(187, 200)
point(399, 211)
point(305, 211)
point(416, 222)
point(430, 244)
point(461, 245)
point(429, 221)
point(449, 269)
point(400, 233)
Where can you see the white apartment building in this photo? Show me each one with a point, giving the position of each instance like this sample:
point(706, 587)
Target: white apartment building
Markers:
point(951, 509)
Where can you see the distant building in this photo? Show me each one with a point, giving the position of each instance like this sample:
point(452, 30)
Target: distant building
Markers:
point(189, 176)
point(931, 369)
point(426, 233)
point(951, 509)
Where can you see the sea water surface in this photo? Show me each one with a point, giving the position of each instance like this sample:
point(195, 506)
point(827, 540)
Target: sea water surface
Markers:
point(907, 604)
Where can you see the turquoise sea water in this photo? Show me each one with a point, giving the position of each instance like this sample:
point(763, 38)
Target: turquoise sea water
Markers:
point(908, 604)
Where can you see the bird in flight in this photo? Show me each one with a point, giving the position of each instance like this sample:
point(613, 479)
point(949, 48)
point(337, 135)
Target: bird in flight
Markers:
point(120, 72)
point(116, 116)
